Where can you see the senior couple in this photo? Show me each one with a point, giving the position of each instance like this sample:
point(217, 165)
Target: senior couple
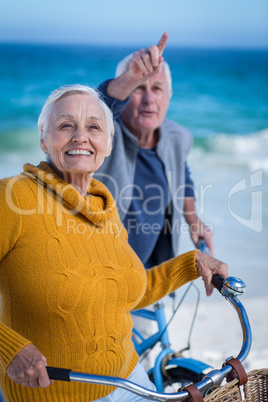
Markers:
point(67, 297)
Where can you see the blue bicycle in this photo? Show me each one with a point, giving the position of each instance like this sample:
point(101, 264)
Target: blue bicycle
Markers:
point(171, 369)
point(230, 288)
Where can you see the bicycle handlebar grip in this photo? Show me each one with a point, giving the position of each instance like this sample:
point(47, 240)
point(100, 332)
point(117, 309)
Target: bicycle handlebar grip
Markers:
point(60, 374)
point(217, 281)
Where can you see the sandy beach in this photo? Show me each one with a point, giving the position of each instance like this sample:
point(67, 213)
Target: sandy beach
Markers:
point(217, 334)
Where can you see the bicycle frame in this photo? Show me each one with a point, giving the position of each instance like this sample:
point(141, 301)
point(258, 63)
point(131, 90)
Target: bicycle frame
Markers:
point(214, 378)
point(161, 335)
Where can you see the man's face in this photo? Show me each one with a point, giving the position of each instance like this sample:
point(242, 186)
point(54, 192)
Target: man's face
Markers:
point(148, 105)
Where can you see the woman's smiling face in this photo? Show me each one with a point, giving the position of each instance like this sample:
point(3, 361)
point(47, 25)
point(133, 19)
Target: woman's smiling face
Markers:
point(76, 138)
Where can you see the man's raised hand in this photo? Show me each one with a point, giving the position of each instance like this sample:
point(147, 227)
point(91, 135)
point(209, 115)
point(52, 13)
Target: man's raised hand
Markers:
point(146, 63)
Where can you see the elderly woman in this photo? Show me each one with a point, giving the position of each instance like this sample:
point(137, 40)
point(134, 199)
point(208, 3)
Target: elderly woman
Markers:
point(69, 279)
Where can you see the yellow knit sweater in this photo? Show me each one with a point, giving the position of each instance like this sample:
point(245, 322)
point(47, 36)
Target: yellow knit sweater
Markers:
point(68, 282)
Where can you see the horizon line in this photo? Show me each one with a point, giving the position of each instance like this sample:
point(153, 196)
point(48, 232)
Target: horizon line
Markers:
point(122, 45)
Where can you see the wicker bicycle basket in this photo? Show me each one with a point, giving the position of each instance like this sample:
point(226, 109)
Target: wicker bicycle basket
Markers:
point(255, 390)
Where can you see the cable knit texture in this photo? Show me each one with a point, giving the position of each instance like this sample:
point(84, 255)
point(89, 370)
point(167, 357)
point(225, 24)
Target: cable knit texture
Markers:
point(68, 282)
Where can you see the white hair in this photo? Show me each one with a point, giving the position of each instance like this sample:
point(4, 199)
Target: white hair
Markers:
point(69, 90)
point(123, 65)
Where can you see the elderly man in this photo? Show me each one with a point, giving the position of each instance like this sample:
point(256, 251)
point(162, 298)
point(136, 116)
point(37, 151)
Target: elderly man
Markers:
point(147, 171)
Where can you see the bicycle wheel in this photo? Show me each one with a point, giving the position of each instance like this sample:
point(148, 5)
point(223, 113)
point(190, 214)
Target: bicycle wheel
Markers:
point(178, 377)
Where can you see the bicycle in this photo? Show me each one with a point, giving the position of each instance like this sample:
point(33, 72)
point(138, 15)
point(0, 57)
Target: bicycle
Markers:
point(171, 369)
point(230, 289)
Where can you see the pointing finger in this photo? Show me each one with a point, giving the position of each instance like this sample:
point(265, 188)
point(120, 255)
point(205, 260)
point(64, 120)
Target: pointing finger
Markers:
point(162, 43)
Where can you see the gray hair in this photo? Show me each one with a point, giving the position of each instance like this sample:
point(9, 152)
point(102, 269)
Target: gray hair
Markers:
point(123, 65)
point(74, 89)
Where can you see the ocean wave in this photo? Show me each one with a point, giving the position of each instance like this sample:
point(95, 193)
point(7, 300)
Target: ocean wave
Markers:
point(15, 140)
point(248, 150)
point(241, 151)
point(18, 147)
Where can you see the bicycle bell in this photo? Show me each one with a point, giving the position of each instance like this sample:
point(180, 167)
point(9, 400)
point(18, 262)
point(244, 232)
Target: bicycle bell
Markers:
point(234, 285)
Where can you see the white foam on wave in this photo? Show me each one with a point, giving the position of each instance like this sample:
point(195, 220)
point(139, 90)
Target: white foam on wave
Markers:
point(11, 163)
point(249, 150)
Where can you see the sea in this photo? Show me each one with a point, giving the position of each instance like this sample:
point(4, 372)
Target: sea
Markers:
point(220, 95)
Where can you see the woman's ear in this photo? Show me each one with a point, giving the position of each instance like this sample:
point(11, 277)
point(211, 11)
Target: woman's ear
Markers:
point(43, 142)
point(109, 149)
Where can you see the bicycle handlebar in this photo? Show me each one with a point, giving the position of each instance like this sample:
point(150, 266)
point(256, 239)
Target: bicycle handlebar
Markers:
point(230, 288)
point(217, 282)
point(203, 247)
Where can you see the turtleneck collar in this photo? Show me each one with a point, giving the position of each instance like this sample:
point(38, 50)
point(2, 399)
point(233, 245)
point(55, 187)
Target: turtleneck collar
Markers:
point(97, 207)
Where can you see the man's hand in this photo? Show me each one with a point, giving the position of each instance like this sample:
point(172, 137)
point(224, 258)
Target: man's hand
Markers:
point(28, 368)
point(207, 266)
point(144, 64)
point(198, 230)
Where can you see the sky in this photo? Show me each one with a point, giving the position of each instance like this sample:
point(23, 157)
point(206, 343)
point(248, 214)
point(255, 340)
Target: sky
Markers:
point(201, 23)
